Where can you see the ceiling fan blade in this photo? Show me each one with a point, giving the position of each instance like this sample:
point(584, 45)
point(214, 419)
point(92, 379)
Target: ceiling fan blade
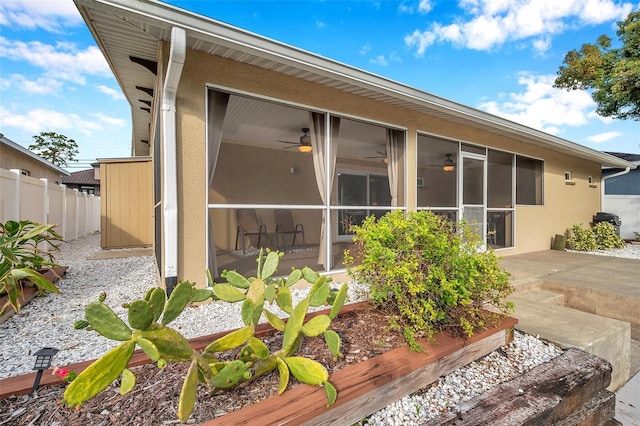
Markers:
point(289, 142)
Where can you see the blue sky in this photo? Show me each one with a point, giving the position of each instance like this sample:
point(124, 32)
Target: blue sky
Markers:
point(500, 56)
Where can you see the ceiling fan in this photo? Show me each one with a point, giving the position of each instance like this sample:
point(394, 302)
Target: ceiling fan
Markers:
point(382, 156)
point(448, 165)
point(305, 142)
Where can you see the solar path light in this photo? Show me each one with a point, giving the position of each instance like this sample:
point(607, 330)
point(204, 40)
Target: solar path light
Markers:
point(43, 362)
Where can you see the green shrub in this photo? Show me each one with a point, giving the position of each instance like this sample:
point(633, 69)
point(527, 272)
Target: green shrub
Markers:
point(602, 236)
point(432, 275)
point(22, 256)
point(581, 238)
point(606, 237)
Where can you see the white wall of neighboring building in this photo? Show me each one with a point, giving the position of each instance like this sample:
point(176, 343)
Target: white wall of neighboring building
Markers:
point(628, 208)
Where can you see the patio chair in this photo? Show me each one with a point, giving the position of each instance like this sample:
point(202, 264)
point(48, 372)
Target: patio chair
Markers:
point(284, 227)
point(247, 222)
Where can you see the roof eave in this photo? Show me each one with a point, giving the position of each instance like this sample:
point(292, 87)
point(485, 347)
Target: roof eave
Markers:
point(207, 29)
point(32, 155)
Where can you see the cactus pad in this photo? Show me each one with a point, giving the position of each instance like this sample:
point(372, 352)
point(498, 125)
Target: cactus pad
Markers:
point(103, 320)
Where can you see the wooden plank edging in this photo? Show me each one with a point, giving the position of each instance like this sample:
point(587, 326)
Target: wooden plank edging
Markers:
point(363, 388)
point(31, 291)
point(368, 386)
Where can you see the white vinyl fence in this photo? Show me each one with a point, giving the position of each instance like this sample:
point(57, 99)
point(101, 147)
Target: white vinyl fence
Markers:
point(75, 213)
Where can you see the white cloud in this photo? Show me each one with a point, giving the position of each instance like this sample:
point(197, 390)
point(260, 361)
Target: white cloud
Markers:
point(115, 94)
point(541, 45)
point(50, 15)
point(63, 61)
point(604, 137)
point(110, 121)
point(365, 49)
point(393, 56)
point(405, 8)
point(380, 60)
point(39, 86)
point(39, 120)
point(488, 24)
point(320, 25)
point(543, 107)
point(425, 6)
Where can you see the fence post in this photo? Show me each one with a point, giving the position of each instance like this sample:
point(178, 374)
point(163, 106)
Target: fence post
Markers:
point(45, 206)
point(64, 211)
point(16, 209)
point(76, 215)
point(45, 200)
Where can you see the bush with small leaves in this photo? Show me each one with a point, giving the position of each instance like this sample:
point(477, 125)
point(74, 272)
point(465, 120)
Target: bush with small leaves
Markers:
point(581, 238)
point(431, 274)
point(606, 237)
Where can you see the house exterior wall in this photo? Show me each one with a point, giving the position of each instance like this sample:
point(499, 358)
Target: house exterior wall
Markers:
point(11, 159)
point(535, 225)
point(627, 184)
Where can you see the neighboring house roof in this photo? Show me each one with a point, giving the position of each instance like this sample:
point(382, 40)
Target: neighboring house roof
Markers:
point(16, 147)
point(633, 158)
point(83, 177)
point(113, 24)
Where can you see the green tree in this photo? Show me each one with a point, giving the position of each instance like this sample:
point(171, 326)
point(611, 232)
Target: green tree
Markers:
point(612, 74)
point(58, 149)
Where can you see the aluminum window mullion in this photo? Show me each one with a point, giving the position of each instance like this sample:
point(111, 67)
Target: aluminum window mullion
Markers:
point(327, 192)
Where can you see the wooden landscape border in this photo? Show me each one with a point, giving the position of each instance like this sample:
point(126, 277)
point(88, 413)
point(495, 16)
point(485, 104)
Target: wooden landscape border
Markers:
point(369, 386)
point(363, 388)
point(29, 291)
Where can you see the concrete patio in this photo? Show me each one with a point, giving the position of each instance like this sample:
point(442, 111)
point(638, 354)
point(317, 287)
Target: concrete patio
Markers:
point(585, 301)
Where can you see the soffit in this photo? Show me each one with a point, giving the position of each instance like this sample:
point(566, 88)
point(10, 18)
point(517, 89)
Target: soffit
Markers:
point(124, 28)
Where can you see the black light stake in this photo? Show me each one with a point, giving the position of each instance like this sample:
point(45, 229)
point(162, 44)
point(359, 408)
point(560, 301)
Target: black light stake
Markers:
point(43, 362)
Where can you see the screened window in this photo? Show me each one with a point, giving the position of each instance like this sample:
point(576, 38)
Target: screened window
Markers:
point(529, 181)
point(273, 179)
point(499, 179)
point(360, 190)
point(437, 185)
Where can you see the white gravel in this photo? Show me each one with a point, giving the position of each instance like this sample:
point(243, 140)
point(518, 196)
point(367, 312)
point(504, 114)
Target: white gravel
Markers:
point(631, 251)
point(48, 322)
point(510, 361)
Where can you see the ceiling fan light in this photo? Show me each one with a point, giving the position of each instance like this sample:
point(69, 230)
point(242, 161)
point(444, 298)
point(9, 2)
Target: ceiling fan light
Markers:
point(305, 148)
point(448, 168)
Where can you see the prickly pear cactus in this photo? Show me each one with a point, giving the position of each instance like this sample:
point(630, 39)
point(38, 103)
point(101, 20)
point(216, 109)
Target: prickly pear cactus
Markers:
point(147, 328)
point(253, 293)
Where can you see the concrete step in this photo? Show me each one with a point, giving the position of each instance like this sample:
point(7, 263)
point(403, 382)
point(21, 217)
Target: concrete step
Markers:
point(604, 337)
point(541, 295)
point(526, 283)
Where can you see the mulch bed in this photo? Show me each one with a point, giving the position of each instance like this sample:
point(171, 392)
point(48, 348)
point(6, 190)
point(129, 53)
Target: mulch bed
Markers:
point(154, 400)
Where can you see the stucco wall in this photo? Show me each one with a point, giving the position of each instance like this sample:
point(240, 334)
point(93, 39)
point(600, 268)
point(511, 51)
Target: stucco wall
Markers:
point(535, 225)
point(11, 159)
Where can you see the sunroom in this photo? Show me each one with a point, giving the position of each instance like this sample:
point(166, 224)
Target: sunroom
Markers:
point(286, 177)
